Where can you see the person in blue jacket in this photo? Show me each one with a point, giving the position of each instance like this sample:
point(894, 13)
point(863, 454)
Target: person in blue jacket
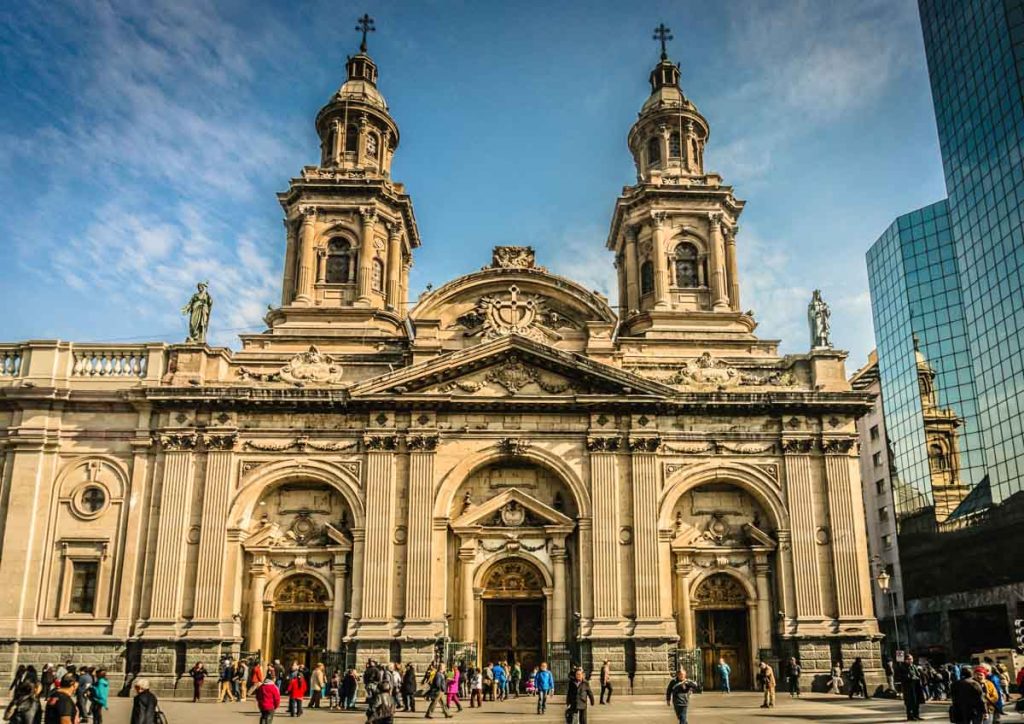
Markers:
point(545, 683)
point(501, 680)
point(100, 693)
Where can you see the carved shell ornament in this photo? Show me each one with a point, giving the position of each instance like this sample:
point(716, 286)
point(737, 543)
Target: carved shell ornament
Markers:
point(512, 514)
point(528, 315)
point(309, 367)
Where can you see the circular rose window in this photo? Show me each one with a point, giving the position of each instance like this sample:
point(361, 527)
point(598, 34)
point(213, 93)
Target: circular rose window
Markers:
point(90, 501)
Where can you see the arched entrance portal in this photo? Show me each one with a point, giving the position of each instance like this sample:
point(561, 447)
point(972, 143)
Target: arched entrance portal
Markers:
point(720, 608)
point(514, 613)
point(301, 606)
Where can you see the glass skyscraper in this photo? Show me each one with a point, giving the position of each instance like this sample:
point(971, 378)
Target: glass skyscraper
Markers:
point(948, 304)
point(975, 55)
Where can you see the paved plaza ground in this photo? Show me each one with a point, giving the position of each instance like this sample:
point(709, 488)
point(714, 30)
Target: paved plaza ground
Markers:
point(709, 708)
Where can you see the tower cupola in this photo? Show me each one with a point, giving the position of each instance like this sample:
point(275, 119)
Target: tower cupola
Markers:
point(667, 141)
point(357, 133)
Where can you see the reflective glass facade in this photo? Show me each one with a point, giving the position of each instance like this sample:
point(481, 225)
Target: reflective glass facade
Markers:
point(920, 331)
point(975, 60)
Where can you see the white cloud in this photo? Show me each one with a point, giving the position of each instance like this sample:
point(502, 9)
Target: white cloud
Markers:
point(580, 255)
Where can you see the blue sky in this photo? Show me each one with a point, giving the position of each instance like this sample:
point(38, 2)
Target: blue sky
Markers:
point(142, 143)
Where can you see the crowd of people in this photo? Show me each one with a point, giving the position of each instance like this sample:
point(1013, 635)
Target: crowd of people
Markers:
point(69, 694)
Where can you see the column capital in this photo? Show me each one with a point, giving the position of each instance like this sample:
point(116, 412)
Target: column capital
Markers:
point(308, 214)
point(368, 213)
point(394, 229)
point(659, 218)
point(714, 219)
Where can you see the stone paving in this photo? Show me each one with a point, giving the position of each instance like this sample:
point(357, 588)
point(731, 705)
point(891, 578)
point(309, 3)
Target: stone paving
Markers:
point(708, 708)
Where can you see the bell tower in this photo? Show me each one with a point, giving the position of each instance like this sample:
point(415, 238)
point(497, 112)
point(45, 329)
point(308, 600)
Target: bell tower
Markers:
point(349, 227)
point(674, 231)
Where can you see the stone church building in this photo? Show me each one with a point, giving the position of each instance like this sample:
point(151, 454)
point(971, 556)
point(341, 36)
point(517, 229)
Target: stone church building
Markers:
point(507, 465)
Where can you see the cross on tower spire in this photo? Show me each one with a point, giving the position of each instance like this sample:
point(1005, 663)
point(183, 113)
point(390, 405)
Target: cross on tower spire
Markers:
point(365, 25)
point(663, 34)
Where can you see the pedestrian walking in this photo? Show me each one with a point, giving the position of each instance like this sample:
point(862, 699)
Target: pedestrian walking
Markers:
point(453, 690)
point(437, 692)
point(724, 675)
point(24, 706)
point(766, 678)
point(268, 698)
point(60, 705)
point(227, 676)
point(19, 676)
point(349, 685)
point(255, 676)
point(241, 681)
point(317, 681)
point(909, 676)
point(545, 685)
point(677, 695)
point(145, 706)
point(476, 688)
point(489, 681)
point(858, 684)
point(83, 696)
point(578, 698)
point(606, 681)
point(296, 690)
point(381, 706)
point(501, 681)
point(793, 677)
point(835, 682)
point(515, 678)
point(100, 695)
point(409, 688)
point(968, 695)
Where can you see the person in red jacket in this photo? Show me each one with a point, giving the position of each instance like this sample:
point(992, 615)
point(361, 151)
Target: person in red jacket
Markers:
point(268, 698)
point(296, 691)
point(256, 678)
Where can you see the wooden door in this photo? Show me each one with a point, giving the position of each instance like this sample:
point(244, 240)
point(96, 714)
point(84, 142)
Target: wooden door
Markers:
point(514, 631)
point(723, 633)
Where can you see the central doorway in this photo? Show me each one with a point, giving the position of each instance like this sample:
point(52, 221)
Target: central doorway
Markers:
point(722, 630)
point(514, 613)
point(300, 620)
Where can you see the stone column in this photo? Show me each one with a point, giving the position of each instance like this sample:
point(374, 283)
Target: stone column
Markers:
point(719, 302)
point(683, 569)
point(847, 532)
point(603, 480)
point(660, 255)
point(257, 589)
point(733, 269)
point(620, 274)
point(663, 133)
point(394, 266)
point(358, 554)
point(691, 160)
point(801, 496)
point(217, 490)
point(337, 627)
point(421, 499)
point(632, 283)
point(338, 145)
point(366, 252)
point(645, 529)
point(307, 255)
point(403, 290)
point(784, 566)
point(558, 598)
point(321, 265)
point(380, 523)
point(364, 128)
point(764, 604)
point(467, 557)
point(586, 528)
point(172, 530)
point(288, 286)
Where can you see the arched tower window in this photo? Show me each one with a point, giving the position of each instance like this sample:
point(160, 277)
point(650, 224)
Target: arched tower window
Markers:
point(351, 138)
point(653, 151)
point(340, 262)
point(937, 458)
point(646, 277)
point(688, 266)
point(675, 148)
point(378, 275)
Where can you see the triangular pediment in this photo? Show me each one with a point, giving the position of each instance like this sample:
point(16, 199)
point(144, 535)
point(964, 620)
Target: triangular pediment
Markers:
point(509, 367)
point(511, 508)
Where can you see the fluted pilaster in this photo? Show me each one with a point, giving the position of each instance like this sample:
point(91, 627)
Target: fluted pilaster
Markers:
point(421, 486)
point(216, 499)
point(172, 531)
point(801, 501)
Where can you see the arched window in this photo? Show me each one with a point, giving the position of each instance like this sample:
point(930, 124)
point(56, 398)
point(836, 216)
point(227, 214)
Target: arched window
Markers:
point(654, 151)
point(646, 277)
point(674, 146)
point(687, 265)
point(378, 275)
point(937, 458)
point(340, 259)
point(351, 138)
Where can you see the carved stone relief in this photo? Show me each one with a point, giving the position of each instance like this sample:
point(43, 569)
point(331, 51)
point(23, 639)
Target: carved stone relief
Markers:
point(309, 367)
point(528, 315)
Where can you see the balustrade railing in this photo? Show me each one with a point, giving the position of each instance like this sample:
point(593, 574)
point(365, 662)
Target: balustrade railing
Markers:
point(10, 361)
point(110, 362)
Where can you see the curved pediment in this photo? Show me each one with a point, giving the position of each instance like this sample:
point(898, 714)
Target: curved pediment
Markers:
point(512, 296)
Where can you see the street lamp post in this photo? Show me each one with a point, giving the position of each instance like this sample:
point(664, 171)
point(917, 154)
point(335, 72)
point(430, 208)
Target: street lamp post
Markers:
point(884, 579)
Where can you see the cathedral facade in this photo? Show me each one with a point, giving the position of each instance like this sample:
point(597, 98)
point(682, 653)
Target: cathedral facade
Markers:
point(508, 468)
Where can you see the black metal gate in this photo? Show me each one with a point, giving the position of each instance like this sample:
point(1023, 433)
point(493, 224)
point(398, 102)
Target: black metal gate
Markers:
point(456, 652)
point(690, 659)
point(563, 658)
point(341, 660)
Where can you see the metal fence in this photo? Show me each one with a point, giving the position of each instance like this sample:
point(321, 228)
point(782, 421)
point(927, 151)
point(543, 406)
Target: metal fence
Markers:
point(563, 657)
point(342, 660)
point(460, 651)
point(690, 659)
